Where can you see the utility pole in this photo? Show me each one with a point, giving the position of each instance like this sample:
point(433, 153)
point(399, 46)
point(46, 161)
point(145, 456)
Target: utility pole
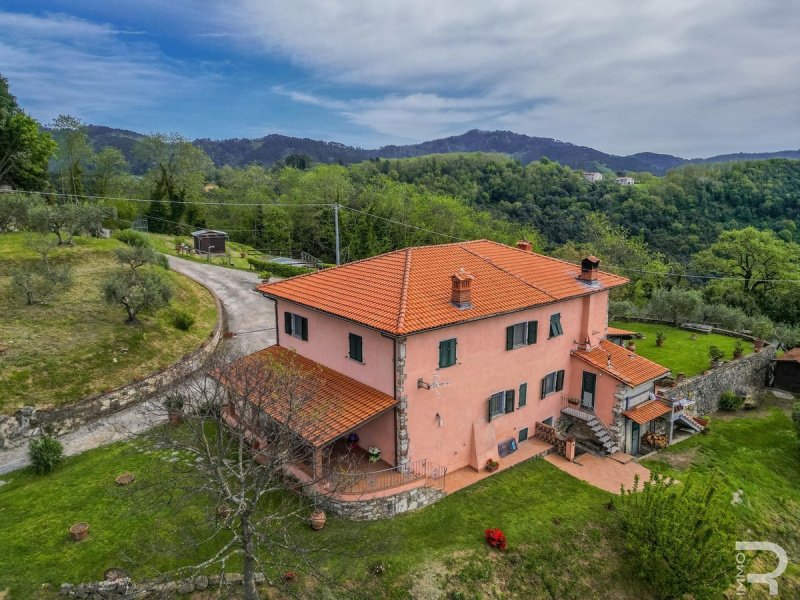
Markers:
point(336, 228)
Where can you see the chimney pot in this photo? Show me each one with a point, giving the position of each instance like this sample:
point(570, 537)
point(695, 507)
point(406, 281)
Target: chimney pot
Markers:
point(524, 245)
point(590, 267)
point(461, 290)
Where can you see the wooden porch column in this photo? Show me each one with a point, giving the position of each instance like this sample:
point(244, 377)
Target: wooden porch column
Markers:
point(317, 467)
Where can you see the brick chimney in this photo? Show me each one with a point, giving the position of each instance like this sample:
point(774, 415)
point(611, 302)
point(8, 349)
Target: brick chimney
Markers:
point(590, 267)
point(524, 245)
point(461, 291)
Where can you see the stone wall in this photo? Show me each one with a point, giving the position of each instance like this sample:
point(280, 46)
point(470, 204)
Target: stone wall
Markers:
point(29, 422)
point(125, 589)
point(380, 508)
point(550, 434)
point(740, 376)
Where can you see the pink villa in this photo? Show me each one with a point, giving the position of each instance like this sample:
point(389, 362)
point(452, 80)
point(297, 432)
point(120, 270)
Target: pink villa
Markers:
point(444, 357)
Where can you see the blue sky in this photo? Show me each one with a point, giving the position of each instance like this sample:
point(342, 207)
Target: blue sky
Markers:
point(674, 76)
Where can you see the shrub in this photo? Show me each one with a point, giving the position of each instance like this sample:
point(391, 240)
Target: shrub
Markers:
point(132, 237)
point(46, 453)
point(679, 538)
point(762, 327)
point(730, 401)
point(796, 417)
point(265, 275)
point(715, 353)
point(738, 348)
point(675, 305)
point(496, 538)
point(181, 319)
point(622, 309)
point(728, 317)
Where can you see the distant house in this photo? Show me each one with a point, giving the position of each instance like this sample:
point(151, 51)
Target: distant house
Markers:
point(593, 177)
point(624, 180)
point(209, 241)
point(787, 371)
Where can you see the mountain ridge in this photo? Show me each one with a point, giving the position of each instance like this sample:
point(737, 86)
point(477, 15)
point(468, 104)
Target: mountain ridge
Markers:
point(272, 148)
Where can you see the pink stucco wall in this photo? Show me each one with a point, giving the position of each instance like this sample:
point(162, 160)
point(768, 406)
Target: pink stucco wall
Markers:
point(484, 366)
point(605, 388)
point(328, 345)
point(379, 432)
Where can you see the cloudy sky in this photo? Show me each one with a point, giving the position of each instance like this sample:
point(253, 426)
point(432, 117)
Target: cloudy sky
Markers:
point(677, 76)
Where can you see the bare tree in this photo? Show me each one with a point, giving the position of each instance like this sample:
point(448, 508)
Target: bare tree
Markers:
point(246, 435)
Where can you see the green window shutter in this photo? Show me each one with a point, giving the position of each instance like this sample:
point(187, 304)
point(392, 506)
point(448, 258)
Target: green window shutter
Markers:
point(356, 347)
point(453, 343)
point(533, 330)
point(523, 394)
point(523, 434)
point(509, 401)
point(287, 322)
point(509, 337)
point(442, 354)
point(491, 402)
point(303, 328)
point(544, 385)
point(560, 381)
point(447, 353)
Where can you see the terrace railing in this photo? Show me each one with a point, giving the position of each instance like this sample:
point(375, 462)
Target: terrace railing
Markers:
point(375, 481)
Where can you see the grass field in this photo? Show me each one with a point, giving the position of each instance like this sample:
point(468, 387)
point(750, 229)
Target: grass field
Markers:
point(77, 345)
point(562, 539)
point(680, 353)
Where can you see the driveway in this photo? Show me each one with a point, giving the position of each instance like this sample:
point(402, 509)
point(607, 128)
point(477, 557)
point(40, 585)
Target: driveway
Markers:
point(246, 314)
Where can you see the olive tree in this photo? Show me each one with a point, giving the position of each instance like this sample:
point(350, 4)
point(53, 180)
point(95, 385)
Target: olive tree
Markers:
point(138, 291)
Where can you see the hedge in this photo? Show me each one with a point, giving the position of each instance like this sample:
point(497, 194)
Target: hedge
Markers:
point(277, 268)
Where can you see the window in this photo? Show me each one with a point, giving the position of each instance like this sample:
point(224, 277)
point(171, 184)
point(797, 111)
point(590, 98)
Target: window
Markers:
point(548, 421)
point(295, 325)
point(523, 394)
point(497, 405)
point(552, 382)
point(356, 347)
point(523, 434)
point(447, 353)
point(521, 334)
point(555, 325)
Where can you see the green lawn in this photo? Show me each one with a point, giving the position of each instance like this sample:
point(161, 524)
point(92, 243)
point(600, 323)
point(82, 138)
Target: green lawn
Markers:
point(680, 353)
point(562, 539)
point(77, 345)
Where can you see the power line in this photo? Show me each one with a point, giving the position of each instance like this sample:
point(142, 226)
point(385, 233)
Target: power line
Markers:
point(404, 224)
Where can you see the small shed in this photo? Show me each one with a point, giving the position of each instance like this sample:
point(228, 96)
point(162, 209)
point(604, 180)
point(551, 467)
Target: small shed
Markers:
point(209, 241)
point(787, 371)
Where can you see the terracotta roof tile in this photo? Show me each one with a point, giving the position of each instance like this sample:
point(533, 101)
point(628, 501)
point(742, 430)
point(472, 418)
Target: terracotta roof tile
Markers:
point(338, 405)
point(409, 290)
point(647, 411)
point(624, 365)
point(615, 332)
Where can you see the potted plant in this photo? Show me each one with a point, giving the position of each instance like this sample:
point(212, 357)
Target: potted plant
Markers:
point(318, 519)
point(79, 531)
point(374, 454)
point(351, 441)
point(492, 465)
point(496, 538)
point(174, 405)
point(716, 355)
point(631, 345)
point(738, 350)
point(660, 337)
point(762, 329)
point(681, 377)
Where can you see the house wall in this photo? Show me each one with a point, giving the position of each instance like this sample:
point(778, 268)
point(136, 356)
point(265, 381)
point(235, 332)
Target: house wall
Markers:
point(328, 345)
point(465, 436)
point(605, 388)
point(380, 433)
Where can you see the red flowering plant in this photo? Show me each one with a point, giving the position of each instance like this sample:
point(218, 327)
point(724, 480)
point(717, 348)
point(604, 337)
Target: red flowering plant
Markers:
point(496, 538)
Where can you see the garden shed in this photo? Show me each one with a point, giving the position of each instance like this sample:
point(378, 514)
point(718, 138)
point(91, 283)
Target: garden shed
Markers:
point(209, 241)
point(787, 371)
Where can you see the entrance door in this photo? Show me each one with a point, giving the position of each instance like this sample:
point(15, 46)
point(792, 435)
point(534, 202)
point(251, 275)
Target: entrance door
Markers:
point(634, 438)
point(587, 390)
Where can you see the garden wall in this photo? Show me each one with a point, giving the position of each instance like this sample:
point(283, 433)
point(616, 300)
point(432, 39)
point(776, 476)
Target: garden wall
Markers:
point(740, 376)
point(380, 508)
point(29, 422)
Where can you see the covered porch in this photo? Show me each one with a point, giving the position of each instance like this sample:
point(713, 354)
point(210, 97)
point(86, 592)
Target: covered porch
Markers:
point(658, 423)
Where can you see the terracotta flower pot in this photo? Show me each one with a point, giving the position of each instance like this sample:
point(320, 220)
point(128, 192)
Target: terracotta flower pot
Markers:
point(125, 479)
point(224, 511)
point(758, 343)
point(318, 519)
point(79, 531)
point(631, 346)
point(175, 418)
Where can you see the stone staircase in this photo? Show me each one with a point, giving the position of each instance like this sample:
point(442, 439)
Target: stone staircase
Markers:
point(601, 432)
point(687, 420)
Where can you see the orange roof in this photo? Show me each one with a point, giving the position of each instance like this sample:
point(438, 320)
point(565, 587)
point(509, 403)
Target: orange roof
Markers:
point(409, 290)
point(792, 355)
point(614, 332)
point(630, 368)
point(647, 411)
point(327, 403)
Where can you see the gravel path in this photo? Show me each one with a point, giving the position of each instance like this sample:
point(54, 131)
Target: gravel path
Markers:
point(246, 313)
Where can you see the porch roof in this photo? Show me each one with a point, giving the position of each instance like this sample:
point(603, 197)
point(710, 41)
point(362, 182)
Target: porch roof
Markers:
point(647, 411)
point(621, 363)
point(337, 404)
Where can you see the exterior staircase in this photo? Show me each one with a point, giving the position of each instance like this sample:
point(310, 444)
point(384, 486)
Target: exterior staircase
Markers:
point(689, 422)
point(601, 433)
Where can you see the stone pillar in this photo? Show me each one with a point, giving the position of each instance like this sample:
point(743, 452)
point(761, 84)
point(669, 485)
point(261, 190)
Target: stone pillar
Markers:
point(317, 466)
point(401, 411)
point(569, 449)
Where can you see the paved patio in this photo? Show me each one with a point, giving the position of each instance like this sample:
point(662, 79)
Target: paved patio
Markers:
point(601, 471)
point(466, 476)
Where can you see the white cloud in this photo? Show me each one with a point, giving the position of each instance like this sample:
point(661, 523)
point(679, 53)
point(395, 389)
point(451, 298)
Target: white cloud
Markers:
point(665, 75)
point(57, 64)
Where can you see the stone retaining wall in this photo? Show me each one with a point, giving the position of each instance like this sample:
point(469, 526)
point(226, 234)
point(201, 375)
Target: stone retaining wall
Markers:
point(28, 421)
point(380, 508)
point(549, 434)
point(741, 376)
point(125, 589)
